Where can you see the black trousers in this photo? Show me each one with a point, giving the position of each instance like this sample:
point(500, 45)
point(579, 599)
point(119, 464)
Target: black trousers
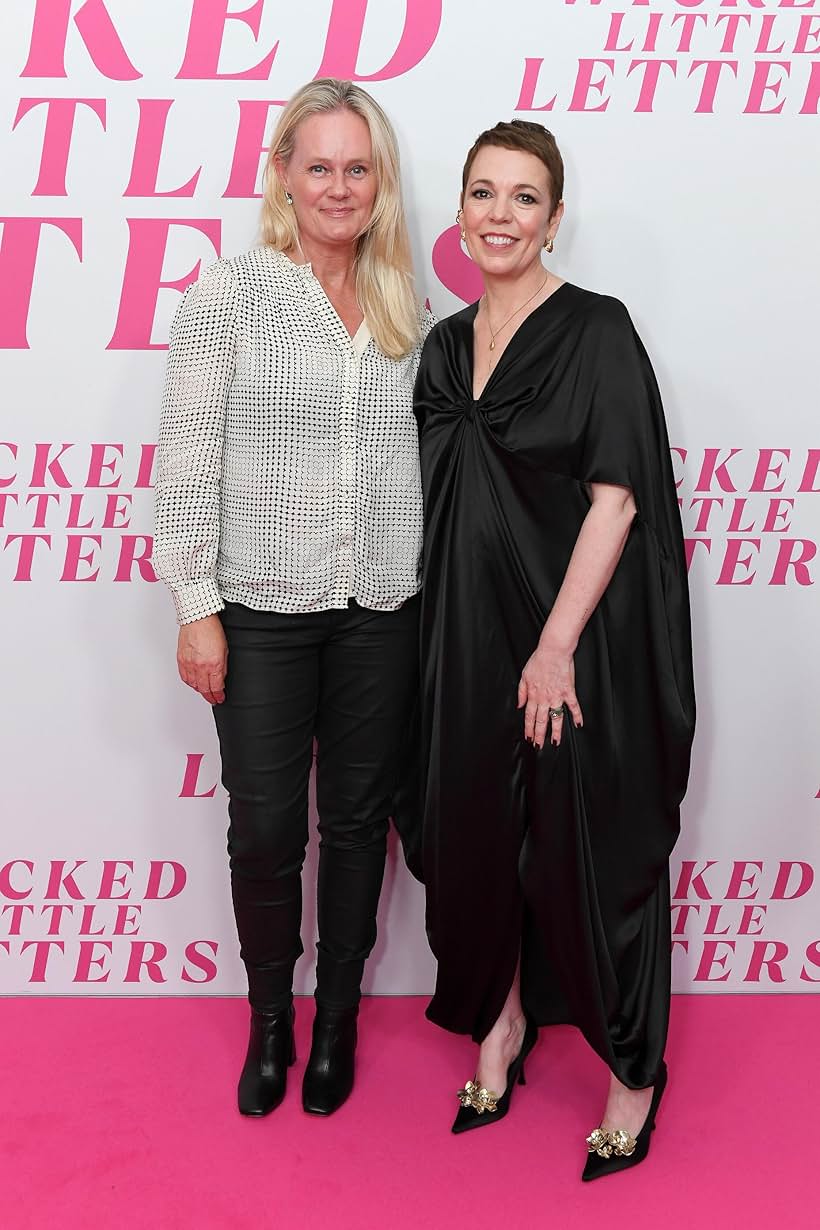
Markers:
point(347, 678)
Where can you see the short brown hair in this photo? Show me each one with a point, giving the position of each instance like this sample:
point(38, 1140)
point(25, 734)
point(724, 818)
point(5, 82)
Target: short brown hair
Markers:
point(530, 138)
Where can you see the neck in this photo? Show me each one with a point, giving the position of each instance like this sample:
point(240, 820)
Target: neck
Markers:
point(333, 264)
point(504, 295)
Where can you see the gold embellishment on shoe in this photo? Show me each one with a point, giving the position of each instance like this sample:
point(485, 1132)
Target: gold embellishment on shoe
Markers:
point(598, 1142)
point(606, 1144)
point(623, 1144)
point(479, 1098)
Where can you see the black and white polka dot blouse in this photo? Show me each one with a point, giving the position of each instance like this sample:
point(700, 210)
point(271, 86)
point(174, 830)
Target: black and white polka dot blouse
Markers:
point(288, 475)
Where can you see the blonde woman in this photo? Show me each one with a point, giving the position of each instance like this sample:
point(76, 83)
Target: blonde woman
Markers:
point(289, 529)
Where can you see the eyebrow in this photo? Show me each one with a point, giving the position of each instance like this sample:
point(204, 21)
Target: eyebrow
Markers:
point(348, 161)
point(531, 187)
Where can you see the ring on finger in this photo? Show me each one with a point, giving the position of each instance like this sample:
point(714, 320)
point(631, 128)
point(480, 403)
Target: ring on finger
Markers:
point(555, 713)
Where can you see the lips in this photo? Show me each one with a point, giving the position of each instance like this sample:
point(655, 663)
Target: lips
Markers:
point(499, 242)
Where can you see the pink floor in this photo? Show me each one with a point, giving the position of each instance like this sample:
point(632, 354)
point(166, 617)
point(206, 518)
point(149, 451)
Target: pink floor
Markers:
point(119, 1113)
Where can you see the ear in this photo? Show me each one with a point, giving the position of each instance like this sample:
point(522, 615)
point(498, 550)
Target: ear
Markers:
point(557, 215)
point(281, 171)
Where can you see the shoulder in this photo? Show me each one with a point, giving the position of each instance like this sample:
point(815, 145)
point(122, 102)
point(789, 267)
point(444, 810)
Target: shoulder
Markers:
point(214, 284)
point(427, 322)
point(603, 323)
point(442, 331)
point(261, 269)
point(208, 305)
point(465, 316)
point(232, 281)
point(596, 310)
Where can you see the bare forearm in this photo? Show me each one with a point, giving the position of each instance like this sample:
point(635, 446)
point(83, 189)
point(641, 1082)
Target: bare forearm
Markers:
point(598, 548)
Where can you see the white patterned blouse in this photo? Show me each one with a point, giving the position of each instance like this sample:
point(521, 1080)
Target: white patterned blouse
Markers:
point(288, 474)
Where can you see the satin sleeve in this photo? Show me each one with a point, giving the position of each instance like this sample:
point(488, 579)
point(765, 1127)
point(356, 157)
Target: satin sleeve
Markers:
point(624, 423)
point(625, 442)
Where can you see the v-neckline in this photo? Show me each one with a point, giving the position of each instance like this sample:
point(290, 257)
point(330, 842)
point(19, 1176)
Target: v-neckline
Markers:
point(306, 267)
point(503, 355)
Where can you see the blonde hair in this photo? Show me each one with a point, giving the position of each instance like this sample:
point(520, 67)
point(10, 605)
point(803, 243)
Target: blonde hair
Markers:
point(384, 267)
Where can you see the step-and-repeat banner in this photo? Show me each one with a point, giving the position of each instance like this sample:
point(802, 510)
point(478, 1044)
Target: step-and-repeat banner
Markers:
point(131, 139)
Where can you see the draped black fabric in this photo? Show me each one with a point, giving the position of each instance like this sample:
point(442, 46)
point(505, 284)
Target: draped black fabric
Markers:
point(560, 853)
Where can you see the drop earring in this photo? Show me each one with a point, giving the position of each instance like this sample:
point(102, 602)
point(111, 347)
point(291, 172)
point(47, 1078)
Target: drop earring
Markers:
point(288, 198)
point(548, 244)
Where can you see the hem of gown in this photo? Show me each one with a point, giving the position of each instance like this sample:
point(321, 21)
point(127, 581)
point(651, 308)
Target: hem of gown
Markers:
point(465, 1032)
point(612, 1064)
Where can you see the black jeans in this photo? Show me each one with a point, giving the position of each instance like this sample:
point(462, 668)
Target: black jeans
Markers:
point(347, 678)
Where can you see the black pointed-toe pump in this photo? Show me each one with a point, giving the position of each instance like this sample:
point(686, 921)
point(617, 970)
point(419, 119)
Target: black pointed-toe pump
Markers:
point(610, 1152)
point(479, 1106)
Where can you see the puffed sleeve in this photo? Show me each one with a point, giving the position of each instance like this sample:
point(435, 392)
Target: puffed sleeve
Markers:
point(201, 360)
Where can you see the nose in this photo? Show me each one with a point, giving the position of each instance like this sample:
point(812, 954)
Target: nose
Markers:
point(339, 187)
point(500, 209)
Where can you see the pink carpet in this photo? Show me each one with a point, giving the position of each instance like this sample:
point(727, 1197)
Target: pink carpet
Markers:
point(120, 1113)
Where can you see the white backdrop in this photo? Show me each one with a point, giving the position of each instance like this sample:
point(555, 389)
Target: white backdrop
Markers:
point(690, 134)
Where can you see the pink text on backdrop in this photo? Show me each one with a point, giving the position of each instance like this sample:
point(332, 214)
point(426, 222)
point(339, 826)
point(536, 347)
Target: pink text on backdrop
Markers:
point(721, 911)
point(46, 516)
point(79, 902)
point(69, 465)
point(97, 30)
point(19, 249)
point(81, 880)
point(146, 177)
point(765, 86)
point(143, 277)
point(131, 962)
point(190, 781)
point(738, 507)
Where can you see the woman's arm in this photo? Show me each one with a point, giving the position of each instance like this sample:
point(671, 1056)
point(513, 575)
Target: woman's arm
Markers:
point(201, 361)
point(548, 679)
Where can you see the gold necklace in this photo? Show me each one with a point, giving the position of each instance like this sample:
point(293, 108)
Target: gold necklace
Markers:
point(495, 332)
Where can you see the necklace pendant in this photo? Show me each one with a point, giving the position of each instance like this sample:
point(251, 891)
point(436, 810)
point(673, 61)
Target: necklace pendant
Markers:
point(492, 344)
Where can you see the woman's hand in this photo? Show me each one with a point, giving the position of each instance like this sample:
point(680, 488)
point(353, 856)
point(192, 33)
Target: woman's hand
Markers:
point(548, 682)
point(202, 658)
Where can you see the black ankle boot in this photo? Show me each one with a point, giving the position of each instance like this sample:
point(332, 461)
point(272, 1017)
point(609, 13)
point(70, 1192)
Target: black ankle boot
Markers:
point(328, 1077)
point(271, 1050)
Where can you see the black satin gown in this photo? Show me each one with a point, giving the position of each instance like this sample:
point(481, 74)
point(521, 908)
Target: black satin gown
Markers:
point(559, 853)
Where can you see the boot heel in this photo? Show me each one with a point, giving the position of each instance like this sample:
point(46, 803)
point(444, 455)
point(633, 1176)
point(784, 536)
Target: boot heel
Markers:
point(292, 1057)
point(522, 1080)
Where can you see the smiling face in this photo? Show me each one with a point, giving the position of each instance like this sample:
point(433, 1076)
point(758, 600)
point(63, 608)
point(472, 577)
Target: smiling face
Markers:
point(507, 211)
point(332, 179)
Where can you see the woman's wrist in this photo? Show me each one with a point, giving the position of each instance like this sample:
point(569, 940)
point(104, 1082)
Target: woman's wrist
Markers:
point(555, 639)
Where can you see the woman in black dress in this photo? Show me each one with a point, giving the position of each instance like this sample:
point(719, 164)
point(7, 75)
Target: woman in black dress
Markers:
point(557, 696)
